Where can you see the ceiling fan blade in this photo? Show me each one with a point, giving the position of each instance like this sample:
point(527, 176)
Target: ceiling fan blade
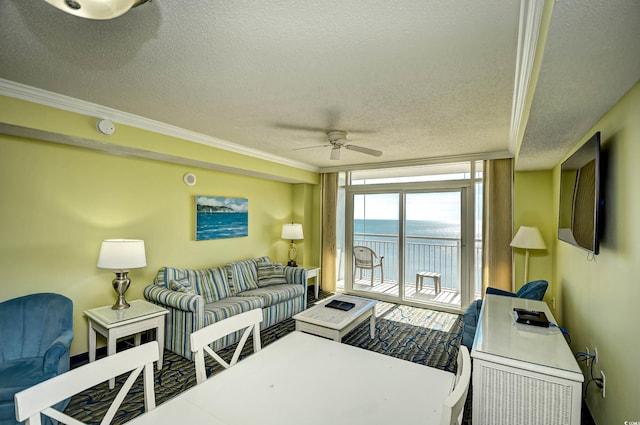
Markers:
point(335, 153)
point(363, 150)
point(310, 147)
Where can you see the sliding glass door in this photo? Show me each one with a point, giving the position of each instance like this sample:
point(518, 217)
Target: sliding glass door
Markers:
point(433, 246)
point(409, 245)
point(375, 247)
point(412, 235)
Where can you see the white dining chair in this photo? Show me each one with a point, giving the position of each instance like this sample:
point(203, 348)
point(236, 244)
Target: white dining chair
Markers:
point(36, 400)
point(200, 339)
point(453, 408)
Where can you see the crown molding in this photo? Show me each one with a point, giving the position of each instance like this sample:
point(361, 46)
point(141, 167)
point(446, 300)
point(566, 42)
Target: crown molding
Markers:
point(120, 150)
point(421, 161)
point(43, 97)
point(528, 32)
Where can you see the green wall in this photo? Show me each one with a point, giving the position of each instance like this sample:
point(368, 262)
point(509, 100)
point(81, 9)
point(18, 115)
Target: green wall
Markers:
point(595, 297)
point(600, 295)
point(533, 206)
point(59, 202)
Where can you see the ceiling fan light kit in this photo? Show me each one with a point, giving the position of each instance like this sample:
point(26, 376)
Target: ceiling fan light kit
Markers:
point(96, 9)
point(337, 136)
point(335, 153)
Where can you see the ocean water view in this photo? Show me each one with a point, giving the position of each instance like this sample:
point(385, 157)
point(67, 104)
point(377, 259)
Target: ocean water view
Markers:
point(219, 225)
point(429, 246)
point(419, 228)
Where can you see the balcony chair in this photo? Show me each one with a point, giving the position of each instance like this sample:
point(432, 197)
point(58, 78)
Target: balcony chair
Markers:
point(532, 291)
point(37, 331)
point(366, 259)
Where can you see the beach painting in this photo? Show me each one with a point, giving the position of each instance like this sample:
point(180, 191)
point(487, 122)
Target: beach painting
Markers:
point(219, 217)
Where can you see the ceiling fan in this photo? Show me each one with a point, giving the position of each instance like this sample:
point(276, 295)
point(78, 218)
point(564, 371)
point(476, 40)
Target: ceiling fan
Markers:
point(337, 140)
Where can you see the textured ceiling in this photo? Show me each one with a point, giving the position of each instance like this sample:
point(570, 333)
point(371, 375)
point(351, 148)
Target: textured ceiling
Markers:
point(592, 59)
point(414, 79)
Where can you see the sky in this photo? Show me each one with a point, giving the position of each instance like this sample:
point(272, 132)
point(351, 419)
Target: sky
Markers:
point(436, 206)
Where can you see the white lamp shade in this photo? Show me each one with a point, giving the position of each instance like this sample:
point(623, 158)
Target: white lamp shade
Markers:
point(528, 238)
point(94, 9)
point(292, 231)
point(122, 254)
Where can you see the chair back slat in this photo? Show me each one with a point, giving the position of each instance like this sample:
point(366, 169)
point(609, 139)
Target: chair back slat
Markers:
point(39, 398)
point(202, 338)
point(57, 415)
point(453, 407)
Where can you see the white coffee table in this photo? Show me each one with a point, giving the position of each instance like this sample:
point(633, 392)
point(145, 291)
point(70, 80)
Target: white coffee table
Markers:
point(113, 324)
point(333, 323)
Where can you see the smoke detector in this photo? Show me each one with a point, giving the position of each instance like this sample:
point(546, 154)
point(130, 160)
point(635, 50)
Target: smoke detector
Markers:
point(105, 127)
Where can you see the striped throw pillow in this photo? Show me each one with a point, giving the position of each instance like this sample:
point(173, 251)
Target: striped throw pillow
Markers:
point(270, 274)
point(210, 283)
point(242, 275)
point(182, 286)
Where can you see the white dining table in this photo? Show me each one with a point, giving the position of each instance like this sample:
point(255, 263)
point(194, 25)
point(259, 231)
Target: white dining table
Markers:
point(278, 385)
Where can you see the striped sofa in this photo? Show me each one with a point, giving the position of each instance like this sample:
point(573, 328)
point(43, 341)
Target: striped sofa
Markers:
point(198, 298)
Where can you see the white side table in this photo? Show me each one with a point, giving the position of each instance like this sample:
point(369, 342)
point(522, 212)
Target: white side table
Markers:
point(522, 369)
point(114, 324)
point(313, 272)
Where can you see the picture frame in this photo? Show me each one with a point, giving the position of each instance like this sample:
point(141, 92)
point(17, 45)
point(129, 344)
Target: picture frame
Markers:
point(219, 217)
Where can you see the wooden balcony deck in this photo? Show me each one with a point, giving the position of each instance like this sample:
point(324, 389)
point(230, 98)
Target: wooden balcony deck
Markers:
point(391, 288)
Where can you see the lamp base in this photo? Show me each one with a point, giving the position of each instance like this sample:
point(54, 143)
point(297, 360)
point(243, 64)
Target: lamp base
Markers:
point(120, 285)
point(293, 252)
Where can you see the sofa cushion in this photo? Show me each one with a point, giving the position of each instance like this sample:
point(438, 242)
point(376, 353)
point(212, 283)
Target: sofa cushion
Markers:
point(210, 283)
point(270, 274)
point(275, 294)
point(219, 310)
point(243, 275)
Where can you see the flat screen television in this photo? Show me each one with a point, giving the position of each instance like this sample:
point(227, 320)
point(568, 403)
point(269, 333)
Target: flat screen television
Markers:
point(581, 198)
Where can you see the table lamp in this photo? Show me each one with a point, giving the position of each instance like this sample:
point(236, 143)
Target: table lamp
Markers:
point(528, 238)
point(292, 232)
point(121, 255)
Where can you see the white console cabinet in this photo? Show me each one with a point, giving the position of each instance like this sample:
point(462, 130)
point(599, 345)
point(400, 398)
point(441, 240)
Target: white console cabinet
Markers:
point(522, 374)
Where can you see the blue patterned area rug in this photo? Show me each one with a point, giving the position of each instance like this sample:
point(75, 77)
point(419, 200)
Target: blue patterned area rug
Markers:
point(414, 334)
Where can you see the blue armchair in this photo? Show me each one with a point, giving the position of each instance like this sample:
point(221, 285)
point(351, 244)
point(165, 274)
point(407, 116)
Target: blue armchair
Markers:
point(532, 291)
point(36, 333)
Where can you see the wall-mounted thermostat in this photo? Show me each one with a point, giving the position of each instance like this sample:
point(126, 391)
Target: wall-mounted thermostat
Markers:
point(189, 179)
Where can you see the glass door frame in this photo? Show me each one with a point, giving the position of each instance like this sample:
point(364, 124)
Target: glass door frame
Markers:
point(467, 195)
point(349, 239)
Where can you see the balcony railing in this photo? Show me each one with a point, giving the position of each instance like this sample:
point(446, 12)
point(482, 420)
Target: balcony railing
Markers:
point(433, 254)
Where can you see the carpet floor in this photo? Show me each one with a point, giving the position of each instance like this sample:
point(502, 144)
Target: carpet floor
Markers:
point(418, 335)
